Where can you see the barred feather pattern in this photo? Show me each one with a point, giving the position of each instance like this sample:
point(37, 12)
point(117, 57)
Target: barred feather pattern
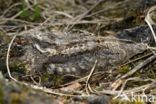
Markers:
point(76, 53)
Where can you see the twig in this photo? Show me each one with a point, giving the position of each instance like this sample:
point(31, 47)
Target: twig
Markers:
point(141, 88)
point(134, 60)
point(150, 22)
point(131, 79)
point(7, 59)
point(139, 66)
point(152, 48)
point(134, 90)
point(19, 13)
point(18, 20)
point(37, 83)
point(136, 68)
point(84, 14)
point(80, 79)
point(64, 14)
point(11, 7)
point(89, 77)
point(105, 10)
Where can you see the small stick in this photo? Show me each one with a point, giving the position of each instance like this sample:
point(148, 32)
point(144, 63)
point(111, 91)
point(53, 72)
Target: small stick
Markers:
point(139, 58)
point(150, 22)
point(7, 59)
point(84, 14)
point(139, 66)
point(136, 68)
point(89, 77)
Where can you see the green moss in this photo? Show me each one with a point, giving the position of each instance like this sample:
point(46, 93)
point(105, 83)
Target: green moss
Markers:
point(51, 79)
point(32, 15)
point(18, 66)
point(124, 69)
point(57, 80)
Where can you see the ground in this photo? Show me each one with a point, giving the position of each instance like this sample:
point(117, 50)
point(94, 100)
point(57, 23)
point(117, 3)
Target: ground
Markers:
point(121, 18)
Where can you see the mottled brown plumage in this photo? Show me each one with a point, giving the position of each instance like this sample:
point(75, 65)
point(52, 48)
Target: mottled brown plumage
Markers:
point(75, 52)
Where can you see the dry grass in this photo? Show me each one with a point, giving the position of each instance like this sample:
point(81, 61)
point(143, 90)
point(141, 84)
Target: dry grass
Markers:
point(64, 15)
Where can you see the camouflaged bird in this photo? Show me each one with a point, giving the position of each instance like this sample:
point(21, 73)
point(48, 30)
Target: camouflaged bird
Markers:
point(75, 52)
